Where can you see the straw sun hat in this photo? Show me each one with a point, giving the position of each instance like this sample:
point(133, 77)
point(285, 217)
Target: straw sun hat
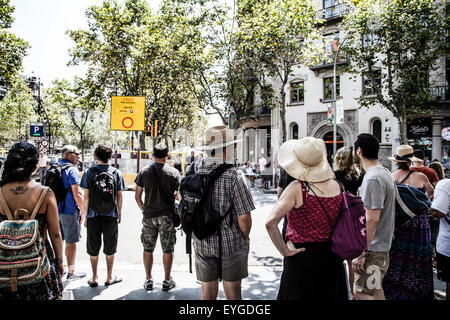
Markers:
point(305, 159)
point(404, 153)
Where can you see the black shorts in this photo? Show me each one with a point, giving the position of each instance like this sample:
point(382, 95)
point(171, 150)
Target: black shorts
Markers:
point(97, 226)
point(443, 267)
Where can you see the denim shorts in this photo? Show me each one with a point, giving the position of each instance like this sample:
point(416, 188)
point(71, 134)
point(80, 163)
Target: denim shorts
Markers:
point(70, 227)
point(234, 266)
point(154, 226)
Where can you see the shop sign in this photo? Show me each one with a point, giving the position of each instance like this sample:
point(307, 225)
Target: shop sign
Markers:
point(418, 128)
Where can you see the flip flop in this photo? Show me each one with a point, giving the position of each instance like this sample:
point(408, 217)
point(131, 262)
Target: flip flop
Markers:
point(114, 280)
point(92, 284)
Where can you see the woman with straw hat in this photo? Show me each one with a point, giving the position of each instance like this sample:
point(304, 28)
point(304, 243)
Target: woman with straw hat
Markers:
point(311, 270)
point(410, 273)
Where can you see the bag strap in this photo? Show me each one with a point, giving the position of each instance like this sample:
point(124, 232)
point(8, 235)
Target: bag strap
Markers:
point(161, 190)
point(5, 206)
point(407, 176)
point(39, 202)
point(323, 208)
point(35, 210)
point(402, 204)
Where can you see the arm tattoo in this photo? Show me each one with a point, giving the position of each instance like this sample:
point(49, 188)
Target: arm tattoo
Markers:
point(18, 190)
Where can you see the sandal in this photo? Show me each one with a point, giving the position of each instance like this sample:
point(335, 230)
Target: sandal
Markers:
point(114, 280)
point(92, 284)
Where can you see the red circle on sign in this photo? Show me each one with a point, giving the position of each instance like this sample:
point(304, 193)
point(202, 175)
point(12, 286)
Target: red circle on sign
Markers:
point(123, 122)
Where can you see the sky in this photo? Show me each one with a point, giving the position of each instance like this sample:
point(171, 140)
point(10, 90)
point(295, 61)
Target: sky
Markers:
point(42, 23)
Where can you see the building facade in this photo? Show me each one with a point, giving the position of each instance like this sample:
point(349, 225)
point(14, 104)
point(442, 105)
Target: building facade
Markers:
point(309, 95)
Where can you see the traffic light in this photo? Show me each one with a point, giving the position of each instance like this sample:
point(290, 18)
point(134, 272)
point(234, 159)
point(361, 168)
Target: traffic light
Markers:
point(152, 130)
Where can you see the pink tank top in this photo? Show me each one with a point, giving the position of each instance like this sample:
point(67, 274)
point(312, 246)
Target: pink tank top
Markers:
point(309, 223)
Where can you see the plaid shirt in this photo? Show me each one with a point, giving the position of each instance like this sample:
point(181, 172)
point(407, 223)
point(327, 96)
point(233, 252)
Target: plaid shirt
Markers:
point(230, 189)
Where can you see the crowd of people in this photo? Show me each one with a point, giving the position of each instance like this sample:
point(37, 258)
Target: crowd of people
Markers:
point(397, 263)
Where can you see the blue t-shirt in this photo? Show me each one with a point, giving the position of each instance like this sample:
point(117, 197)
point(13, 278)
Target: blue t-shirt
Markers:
point(70, 176)
point(85, 184)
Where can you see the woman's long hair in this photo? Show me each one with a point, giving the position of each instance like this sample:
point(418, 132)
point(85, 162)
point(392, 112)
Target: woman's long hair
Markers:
point(343, 161)
point(437, 166)
point(20, 163)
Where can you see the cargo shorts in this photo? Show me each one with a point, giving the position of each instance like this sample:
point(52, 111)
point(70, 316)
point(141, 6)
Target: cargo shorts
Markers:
point(375, 268)
point(154, 226)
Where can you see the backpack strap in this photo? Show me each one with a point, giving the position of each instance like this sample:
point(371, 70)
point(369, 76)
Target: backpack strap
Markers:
point(39, 202)
point(5, 206)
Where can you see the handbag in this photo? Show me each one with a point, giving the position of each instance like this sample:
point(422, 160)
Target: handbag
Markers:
point(175, 215)
point(348, 235)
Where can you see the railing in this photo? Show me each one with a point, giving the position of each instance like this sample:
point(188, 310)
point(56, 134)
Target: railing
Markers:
point(329, 62)
point(333, 12)
point(441, 93)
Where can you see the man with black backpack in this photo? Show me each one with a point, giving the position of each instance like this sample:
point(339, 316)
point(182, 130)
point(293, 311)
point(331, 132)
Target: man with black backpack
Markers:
point(103, 185)
point(220, 221)
point(160, 182)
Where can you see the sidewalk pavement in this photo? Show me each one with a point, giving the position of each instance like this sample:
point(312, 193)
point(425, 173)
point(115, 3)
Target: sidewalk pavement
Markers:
point(261, 284)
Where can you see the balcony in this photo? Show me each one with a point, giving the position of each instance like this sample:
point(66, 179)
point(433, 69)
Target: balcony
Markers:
point(441, 93)
point(259, 118)
point(333, 13)
point(329, 63)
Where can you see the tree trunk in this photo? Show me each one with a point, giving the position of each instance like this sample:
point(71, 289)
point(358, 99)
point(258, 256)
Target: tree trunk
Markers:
point(283, 113)
point(402, 128)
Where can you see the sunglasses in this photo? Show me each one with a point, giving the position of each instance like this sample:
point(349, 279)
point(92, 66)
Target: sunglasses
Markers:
point(75, 153)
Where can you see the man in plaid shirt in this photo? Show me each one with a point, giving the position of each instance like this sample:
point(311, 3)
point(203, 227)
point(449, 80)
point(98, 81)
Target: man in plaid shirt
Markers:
point(230, 191)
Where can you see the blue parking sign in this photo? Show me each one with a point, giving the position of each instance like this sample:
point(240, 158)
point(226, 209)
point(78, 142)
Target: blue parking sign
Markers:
point(36, 129)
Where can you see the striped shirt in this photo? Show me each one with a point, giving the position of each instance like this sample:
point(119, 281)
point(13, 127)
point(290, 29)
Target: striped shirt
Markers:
point(230, 190)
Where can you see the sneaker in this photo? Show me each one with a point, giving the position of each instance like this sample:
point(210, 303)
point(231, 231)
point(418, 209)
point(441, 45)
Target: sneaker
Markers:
point(168, 284)
point(75, 276)
point(148, 284)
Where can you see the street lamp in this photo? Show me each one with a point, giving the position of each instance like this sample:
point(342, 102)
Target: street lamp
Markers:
point(334, 87)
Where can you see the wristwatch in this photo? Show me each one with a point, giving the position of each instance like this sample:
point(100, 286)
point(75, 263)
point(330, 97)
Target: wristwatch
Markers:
point(58, 261)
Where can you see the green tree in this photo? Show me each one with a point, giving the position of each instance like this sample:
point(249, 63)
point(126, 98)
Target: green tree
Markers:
point(402, 40)
point(16, 113)
point(76, 100)
point(282, 34)
point(130, 51)
point(12, 48)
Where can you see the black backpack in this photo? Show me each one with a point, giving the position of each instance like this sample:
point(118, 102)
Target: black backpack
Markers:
point(53, 180)
point(197, 213)
point(103, 190)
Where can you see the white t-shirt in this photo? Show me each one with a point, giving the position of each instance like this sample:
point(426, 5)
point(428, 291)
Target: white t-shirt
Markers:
point(441, 202)
point(262, 163)
point(43, 161)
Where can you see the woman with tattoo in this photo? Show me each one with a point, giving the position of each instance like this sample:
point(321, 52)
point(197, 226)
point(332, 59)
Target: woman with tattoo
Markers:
point(21, 191)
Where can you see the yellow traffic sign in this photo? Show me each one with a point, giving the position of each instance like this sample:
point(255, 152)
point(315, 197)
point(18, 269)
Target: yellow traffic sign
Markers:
point(127, 113)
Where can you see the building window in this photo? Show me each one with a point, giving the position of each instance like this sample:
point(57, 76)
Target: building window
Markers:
point(298, 92)
point(294, 131)
point(376, 129)
point(332, 9)
point(328, 84)
point(371, 85)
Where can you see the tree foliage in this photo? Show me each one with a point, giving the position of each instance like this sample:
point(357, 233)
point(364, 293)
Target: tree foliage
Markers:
point(280, 35)
point(130, 51)
point(16, 112)
point(12, 48)
point(403, 39)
